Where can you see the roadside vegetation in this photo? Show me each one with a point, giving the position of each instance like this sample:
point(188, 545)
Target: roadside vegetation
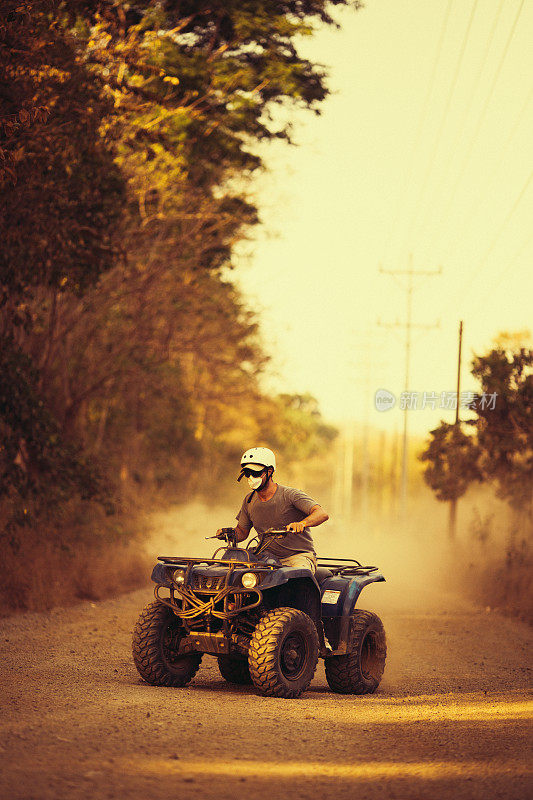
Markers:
point(491, 452)
point(130, 366)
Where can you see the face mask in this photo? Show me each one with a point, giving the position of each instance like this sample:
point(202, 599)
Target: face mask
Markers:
point(254, 483)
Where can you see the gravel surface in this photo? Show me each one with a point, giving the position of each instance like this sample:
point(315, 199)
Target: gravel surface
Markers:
point(451, 719)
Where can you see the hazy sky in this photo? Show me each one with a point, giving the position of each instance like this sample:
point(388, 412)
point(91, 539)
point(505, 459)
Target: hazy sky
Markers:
point(423, 148)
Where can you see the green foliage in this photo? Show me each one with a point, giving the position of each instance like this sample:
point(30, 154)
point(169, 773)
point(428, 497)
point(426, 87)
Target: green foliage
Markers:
point(452, 458)
point(500, 449)
point(34, 459)
point(505, 432)
point(60, 188)
point(295, 427)
point(127, 136)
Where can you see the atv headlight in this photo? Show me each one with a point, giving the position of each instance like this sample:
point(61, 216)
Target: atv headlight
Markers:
point(249, 580)
point(178, 576)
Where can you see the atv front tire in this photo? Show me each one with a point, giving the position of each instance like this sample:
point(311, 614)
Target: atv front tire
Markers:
point(361, 669)
point(156, 638)
point(283, 653)
point(234, 670)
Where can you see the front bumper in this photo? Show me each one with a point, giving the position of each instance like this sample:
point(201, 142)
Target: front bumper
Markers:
point(210, 588)
point(224, 603)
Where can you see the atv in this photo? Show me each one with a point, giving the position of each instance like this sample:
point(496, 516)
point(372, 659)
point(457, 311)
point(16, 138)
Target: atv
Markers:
point(267, 624)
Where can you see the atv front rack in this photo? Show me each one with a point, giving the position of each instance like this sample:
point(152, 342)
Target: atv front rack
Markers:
point(178, 561)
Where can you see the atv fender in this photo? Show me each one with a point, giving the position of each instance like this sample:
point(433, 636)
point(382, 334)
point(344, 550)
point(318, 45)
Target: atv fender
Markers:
point(285, 574)
point(161, 575)
point(339, 598)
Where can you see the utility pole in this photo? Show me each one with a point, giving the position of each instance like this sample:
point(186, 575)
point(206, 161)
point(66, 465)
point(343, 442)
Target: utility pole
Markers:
point(337, 496)
point(408, 325)
point(347, 488)
point(380, 475)
point(366, 363)
point(365, 460)
point(393, 476)
point(453, 504)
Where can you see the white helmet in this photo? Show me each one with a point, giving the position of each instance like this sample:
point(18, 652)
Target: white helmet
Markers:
point(257, 456)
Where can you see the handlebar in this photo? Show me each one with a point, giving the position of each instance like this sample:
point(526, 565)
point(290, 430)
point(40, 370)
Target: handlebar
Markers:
point(229, 533)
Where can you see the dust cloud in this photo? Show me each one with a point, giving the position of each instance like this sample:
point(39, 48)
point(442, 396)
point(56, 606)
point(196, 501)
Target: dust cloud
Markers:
point(423, 567)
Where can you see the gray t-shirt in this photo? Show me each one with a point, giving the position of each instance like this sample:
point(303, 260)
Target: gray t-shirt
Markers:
point(286, 505)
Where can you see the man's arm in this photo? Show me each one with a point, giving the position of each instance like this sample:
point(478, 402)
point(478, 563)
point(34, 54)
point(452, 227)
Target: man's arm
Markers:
point(316, 516)
point(241, 534)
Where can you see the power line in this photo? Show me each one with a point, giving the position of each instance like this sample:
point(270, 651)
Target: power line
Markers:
point(475, 206)
point(504, 273)
point(481, 118)
point(448, 307)
point(421, 123)
point(468, 105)
point(440, 129)
point(495, 238)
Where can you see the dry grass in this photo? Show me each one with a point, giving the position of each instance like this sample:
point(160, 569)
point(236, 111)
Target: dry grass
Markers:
point(496, 551)
point(506, 583)
point(76, 553)
point(41, 576)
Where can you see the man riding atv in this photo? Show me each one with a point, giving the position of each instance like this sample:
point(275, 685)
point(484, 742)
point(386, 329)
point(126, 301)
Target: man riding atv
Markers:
point(271, 505)
point(266, 612)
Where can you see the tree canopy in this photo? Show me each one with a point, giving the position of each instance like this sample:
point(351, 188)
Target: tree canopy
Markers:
point(497, 444)
point(128, 139)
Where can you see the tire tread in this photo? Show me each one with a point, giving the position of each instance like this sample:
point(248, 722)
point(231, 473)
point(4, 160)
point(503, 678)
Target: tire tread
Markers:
point(262, 658)
point(147, 651)
point(343, 673)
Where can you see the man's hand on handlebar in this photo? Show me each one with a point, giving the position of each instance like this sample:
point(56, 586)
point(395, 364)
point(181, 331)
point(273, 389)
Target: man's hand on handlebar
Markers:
point(296, 527)
point(223, 533)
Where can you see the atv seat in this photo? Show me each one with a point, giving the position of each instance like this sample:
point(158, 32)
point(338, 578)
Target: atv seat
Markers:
point(322, 573)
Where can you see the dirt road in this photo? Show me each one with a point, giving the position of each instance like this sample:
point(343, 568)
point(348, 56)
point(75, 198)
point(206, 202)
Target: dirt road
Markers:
point(452, 718)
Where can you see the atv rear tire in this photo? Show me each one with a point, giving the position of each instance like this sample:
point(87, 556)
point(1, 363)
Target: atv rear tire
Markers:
point(360, 671)
point(156, 638)
point(283, 653)
point(234, 670)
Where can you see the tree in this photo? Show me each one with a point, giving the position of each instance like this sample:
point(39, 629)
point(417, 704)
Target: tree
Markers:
point(61, 190)
point(130, 132)
point(504, 429)
point(60, 194)
point(500, 448)
point(452, 458)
